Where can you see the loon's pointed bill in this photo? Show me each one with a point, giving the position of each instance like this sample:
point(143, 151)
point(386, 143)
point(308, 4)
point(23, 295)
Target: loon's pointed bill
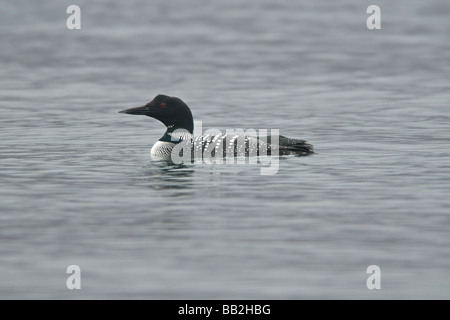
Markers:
point(142, 110)
point(177, 117)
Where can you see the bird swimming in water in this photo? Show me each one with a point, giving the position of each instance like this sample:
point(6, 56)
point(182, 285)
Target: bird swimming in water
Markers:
point(177, 117)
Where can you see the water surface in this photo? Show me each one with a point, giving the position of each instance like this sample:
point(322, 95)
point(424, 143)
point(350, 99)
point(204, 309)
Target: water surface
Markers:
point(77, 185)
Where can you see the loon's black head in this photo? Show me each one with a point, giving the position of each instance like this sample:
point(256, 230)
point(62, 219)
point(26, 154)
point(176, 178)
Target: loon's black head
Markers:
point(171, 111)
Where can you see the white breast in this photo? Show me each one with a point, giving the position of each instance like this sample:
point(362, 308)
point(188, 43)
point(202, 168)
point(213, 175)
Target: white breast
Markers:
point(162, 148)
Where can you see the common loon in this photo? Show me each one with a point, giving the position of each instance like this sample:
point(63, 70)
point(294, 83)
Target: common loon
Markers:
point(177, 117)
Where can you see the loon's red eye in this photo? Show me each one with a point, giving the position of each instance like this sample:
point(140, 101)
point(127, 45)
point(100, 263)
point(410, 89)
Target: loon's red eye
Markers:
point(163, 105)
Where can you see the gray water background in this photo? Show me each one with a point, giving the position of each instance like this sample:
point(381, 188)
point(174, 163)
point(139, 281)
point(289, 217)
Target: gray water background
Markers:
point(77, 185)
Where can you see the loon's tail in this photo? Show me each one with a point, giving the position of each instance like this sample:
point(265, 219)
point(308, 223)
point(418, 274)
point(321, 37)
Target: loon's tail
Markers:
point(294, 146)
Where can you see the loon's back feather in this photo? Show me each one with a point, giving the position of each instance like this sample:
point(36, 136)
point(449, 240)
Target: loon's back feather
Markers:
point(232, 145)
